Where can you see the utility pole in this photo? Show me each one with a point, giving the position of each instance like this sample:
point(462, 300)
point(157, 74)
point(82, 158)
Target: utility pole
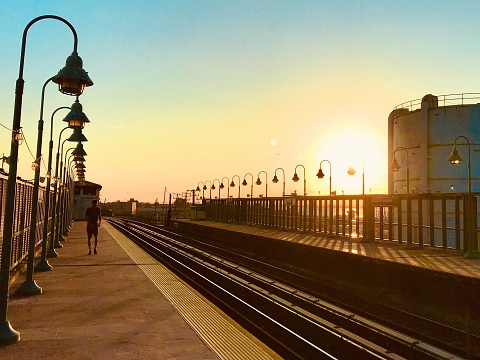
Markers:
point(163, 206)
point(169, 212)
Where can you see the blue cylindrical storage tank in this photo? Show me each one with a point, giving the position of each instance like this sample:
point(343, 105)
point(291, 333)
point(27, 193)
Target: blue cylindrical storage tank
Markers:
point(427, 129)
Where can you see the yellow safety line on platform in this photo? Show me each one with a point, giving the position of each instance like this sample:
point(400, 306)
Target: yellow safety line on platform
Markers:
point(220, 335)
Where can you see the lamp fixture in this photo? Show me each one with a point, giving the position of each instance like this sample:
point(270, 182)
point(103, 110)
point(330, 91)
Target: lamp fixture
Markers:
point(394, 166)
point(76, 118)
point(72, 79)
point(79, 151)
point(77, 136)
point(455, 157)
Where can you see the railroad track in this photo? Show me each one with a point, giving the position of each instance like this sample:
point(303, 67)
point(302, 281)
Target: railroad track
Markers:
point(291, 313)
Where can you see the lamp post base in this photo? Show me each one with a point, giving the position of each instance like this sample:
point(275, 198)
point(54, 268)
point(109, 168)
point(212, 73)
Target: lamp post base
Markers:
point(57, 245)
point(7, 334)
point(42, 266)
point(471, 255)
point(51, 253)
point(62, 238)
point(410, 247)
point(28, 288)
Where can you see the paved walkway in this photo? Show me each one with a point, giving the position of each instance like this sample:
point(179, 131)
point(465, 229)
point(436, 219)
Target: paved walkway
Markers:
point(119, 304)
point(449, 261)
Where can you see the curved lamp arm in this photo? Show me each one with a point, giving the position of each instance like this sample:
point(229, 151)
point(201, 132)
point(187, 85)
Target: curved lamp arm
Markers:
point(320, 174)
point(295, 179)
point(232, 184)
point(266, 181)
point(228, 186)
point(245, 183)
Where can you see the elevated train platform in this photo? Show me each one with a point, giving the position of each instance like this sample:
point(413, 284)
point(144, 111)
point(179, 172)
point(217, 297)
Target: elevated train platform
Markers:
point(122, 304)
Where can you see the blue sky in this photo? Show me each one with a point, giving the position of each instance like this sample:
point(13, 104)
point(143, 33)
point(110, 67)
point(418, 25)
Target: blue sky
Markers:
point(189, 91)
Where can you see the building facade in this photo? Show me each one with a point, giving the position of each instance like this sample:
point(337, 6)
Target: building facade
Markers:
point(82, 198)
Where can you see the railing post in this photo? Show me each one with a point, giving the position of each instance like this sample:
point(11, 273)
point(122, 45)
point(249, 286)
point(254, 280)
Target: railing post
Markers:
point(400, 221)
point(368, 220)
point(330, 217)
point(471, 241)
point(420, 221)
point(474, 237)
point(409, 222)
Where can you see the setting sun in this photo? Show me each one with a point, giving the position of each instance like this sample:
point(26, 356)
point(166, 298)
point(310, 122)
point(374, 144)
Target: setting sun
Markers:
point(357, 146)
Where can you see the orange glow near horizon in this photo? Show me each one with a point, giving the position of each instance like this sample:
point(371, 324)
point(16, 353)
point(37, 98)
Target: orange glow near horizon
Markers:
point(355, 145)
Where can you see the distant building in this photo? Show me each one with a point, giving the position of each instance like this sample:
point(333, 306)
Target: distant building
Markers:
point(427, 129)
point(83, 196)
point(120, 208)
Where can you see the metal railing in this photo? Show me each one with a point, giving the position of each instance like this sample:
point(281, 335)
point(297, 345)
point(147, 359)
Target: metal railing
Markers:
point(443, 100)
point(433, 220)
point(22, 217)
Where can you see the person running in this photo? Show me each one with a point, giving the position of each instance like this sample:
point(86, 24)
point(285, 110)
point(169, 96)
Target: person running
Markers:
point(94, 218)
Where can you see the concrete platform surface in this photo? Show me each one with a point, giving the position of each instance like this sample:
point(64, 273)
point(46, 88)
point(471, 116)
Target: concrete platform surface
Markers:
point(109, 306)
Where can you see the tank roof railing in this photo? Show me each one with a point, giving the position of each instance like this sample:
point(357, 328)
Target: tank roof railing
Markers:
point(443, 100)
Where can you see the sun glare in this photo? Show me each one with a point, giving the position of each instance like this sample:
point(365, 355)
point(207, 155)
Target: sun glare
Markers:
point(359, 147)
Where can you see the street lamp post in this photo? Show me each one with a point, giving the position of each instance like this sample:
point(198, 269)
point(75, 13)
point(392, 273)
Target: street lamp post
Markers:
point(203, 190)
point(351, 171)
point(210, 187)
point(76, 136)
point(321, 175)
point(232, 184)
point(63, 201)
point(259, 182)
point(395, 167)
point(72, 79)
point(213, 187)
point(51, 253)
point(469, 238)
point(275, 179)
point(29, 287)
point(244, 183)
point(222, 186)
point(43, 264)
point(69, 189)
point(296, 178)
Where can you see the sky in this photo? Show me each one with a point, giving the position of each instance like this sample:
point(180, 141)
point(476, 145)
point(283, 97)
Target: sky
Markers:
point(193, 92)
